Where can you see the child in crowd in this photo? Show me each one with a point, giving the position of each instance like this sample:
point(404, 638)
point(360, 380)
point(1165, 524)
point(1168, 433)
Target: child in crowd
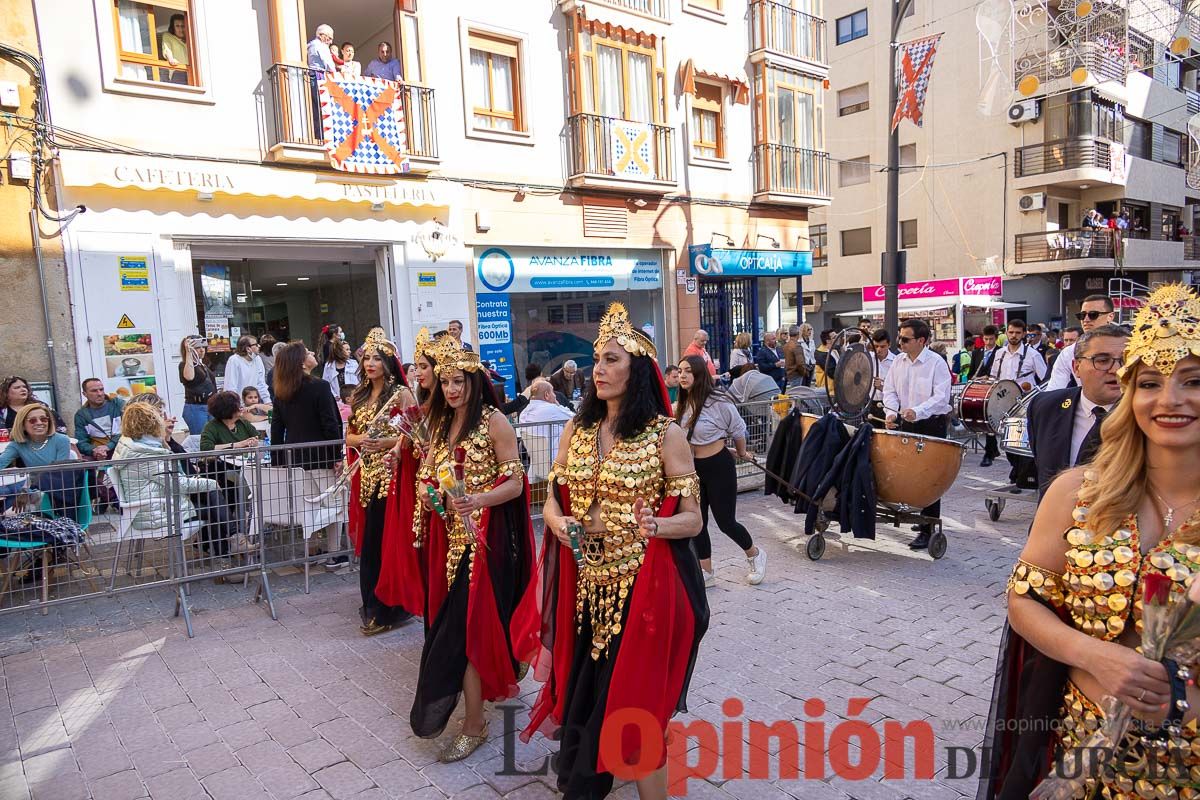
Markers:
point(343, 402)
point(252, 408)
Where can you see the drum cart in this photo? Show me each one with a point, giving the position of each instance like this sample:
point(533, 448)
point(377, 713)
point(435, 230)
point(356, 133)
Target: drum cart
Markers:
point(995, 500)
point(815, 547)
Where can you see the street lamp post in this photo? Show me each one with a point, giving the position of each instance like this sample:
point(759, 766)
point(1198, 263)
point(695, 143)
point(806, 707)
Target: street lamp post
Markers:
point(892, 269)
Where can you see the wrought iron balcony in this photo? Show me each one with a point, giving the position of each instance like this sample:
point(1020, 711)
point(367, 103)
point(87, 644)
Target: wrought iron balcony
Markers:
point(781, 29)
point(658, 9)
point(295, 114)
point(1062, 154)
point(791, 174)
point(1068, 244)
point(605, 151)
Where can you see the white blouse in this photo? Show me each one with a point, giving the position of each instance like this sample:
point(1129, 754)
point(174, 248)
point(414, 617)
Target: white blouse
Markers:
point(240, 373)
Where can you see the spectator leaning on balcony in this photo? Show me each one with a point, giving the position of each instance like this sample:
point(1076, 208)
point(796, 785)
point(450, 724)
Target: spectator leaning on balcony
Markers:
point(350, 67)
point(320, 57)
point(175, 50)
point(386, 66)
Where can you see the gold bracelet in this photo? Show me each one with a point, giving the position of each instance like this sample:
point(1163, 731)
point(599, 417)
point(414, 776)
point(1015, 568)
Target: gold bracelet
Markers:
point(1029, 578)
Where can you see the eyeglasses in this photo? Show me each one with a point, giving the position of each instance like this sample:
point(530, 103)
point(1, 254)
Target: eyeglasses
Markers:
point(1103, 362)
point(1091, 316)
point(904, 339)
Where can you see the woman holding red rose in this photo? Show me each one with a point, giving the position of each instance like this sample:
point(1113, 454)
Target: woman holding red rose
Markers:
point(480, 614)
point(1109, 539)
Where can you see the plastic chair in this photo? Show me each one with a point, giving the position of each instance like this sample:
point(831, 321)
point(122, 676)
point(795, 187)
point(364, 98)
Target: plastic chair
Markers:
point(83, 511)
point(125, 529)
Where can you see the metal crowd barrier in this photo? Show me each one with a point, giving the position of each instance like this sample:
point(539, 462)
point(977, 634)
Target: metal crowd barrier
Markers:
point(85, 529)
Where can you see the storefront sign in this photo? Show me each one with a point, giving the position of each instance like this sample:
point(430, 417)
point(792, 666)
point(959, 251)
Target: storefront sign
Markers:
point(519, 270)
point(745, 263)
point(135, 275)
point(128, 363)
point(495, 338)
point(953, 290)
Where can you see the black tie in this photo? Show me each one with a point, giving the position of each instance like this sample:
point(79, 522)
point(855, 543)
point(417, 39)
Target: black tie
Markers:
point(1091, 442)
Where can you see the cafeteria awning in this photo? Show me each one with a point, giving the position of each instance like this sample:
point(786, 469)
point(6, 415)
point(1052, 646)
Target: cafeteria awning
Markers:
point(946, 302)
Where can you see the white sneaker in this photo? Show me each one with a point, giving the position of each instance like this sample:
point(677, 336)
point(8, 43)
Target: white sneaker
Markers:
point(758, 567)
point(710, 578)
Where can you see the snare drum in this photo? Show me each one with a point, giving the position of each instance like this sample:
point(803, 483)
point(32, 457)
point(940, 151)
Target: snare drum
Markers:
point(1014, 429)
point(985, 402)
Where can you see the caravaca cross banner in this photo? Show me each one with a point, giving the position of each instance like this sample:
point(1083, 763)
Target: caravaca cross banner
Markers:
point(916, 62)
point(363, 123)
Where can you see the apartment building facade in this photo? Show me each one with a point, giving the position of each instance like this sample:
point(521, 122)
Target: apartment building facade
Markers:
point(663, 153)
point(993, 203)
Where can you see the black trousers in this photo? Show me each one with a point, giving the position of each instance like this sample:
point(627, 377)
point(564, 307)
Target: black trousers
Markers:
point(933, 426)
point(1023, 473)
point(718, 489)
point(218, 526)
point(991, 448)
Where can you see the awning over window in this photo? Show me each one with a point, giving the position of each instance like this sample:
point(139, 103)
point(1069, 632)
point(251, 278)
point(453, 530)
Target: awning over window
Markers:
point(148, 173)
point(688, 72)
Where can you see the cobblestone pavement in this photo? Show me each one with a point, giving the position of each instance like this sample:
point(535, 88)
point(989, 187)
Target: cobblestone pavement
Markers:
point(110, 700)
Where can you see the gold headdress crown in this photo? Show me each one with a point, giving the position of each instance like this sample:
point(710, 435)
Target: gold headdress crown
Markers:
point(450, 355)
point(1165, 329)
point(615, 325)
point(377, 342)
point(424, 341)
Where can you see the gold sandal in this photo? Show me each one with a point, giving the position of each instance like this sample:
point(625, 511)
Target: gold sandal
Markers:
point(373, 628)
point(462, 746)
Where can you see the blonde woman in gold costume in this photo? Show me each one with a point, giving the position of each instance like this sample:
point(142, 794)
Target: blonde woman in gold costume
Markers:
point(624, 607)
point(1075, 594)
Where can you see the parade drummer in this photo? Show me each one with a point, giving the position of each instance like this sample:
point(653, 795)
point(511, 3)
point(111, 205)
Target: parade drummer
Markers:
point(481, 621)
point(1064, 424)
point(1075, 607)
point(982, 359)
point(1022, 364)
point(916, 397)
point(623, 599)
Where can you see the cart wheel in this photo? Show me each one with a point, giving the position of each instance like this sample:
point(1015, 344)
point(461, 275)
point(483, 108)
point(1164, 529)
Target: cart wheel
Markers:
point(994, 508)
point(815, 548)
point(937, 544)
point(822, 523)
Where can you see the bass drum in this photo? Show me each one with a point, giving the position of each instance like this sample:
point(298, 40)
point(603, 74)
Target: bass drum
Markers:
point(985, 402)
point(911, 470)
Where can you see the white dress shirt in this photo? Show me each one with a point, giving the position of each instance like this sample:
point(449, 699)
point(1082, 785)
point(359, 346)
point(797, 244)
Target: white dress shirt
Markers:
point(1063, 370)
point(922, 384)
point(883, 368)
point(1082, 423)
point(1025, 365)
point(544, 415)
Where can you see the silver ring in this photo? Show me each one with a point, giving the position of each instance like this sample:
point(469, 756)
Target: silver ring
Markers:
point(1142, 695)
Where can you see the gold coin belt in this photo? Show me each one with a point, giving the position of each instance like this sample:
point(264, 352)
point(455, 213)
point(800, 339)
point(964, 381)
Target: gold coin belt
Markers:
point(632, 469)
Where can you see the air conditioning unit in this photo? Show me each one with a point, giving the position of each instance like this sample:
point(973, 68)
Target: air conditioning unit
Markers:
point(1024, 111)
point(812, 303)
point(1034, 201)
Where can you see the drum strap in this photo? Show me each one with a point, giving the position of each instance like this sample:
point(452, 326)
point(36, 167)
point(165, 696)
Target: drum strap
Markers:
point(1020, 364)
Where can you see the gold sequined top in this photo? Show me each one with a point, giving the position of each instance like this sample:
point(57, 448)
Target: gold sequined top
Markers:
point(1098, 588)
point(631, 469)
point(481, 470)
point(374, 478)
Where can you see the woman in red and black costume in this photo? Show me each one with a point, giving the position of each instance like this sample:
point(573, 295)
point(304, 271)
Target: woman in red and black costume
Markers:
point(481, 609)
point(624, 606)
point(389, 575)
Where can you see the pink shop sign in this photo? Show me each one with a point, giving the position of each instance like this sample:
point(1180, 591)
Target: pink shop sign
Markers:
point(954, 288)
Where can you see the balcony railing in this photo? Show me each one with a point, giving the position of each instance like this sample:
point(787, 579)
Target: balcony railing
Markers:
point(1065, 245)
point(650, 8)
point(296, 111)
point(1061, 154)
point(621, 149)
point(780, 169)
point(775, 26)
point(1191, 248)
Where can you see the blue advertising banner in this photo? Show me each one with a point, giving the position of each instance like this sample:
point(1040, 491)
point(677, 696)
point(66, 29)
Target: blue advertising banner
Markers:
point(712, 263)
point(495, 337)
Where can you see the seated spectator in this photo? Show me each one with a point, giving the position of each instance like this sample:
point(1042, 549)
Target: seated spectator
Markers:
point(350, 67)
point(750, 385)
point(98, 422)
point(15, 394)
point(569, 379)
point(227, 429)
point(143, 436)
point(543, 405)
point(386, 66)
point(35, 444)
point(253, 408)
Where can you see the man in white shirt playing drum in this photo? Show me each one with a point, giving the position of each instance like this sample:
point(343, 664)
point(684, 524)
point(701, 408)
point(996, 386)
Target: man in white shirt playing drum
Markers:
point(1096, 310)
point(1024, 365)
point(916, 398)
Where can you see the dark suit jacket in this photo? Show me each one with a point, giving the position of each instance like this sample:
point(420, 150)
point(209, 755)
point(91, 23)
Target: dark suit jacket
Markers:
point(311, 415)
point(765, 358)
point(981, 362)
point(1050, 427)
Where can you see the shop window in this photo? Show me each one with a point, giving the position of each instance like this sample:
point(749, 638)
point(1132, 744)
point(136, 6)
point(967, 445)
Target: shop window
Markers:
point(708, 121)
point(155, 41)
point(908, 234)
point(854, 171)
point(620, 77)
point(856, 242)
point(854, 99)
point(495, 82)
point(852, 26)
point(818, 241)
point(908, 155)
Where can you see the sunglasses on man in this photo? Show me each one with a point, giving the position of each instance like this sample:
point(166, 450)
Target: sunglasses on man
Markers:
point(1091, 316)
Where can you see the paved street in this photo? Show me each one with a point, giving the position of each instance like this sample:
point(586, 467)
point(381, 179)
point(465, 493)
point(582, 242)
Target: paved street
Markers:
point(110, 700)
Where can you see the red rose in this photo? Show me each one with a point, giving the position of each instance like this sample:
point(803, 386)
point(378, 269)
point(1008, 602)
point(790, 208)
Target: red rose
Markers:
point(1156, 589)
point(458, 471)
point(460, 454)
